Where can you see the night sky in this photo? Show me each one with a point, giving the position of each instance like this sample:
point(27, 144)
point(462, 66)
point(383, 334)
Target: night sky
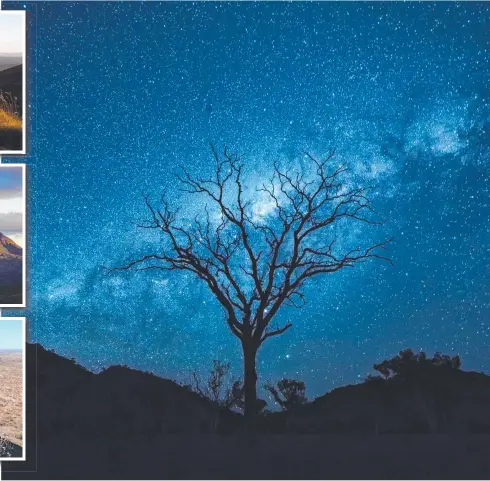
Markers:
point(122, 93)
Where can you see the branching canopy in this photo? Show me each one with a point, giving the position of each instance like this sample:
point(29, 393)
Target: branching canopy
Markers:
point(254, 265)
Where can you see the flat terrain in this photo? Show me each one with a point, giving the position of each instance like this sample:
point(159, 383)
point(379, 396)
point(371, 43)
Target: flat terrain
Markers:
point(272, 457)
point(11, 396)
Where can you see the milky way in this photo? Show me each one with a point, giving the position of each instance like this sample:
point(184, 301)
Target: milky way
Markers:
point(122, 93)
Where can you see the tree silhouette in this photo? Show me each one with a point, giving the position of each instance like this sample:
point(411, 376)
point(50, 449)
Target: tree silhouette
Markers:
point(426, 379)
point(215, 386)
point(289, 393)
point(218, 387)
point(408, 365)
point(254, 262)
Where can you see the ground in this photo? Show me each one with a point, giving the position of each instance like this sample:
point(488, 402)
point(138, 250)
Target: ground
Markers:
point(11, 397)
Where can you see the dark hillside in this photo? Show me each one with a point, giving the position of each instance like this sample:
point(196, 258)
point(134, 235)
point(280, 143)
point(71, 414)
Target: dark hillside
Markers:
point(10, 271)
point(11, 82)
point(129, 424)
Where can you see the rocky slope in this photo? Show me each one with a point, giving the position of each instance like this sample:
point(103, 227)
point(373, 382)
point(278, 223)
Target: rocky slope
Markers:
point(10, 271)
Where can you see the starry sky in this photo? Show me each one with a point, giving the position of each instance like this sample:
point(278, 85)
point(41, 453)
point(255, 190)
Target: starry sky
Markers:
point(399, 90)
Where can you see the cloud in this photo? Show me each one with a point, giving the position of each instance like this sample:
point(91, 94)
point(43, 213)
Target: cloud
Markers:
point(11, 210)
point(9, 205)
point(11, 221)
point(9, 193)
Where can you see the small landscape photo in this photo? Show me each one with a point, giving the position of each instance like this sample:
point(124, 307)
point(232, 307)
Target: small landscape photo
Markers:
point(12, 82)
point(12, 232)
point(11, 389)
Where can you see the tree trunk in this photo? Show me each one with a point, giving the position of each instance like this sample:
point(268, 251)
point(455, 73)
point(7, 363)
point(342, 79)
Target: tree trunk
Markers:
point(250, 379)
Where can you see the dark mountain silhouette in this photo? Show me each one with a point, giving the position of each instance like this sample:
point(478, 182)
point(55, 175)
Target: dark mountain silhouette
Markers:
point(11, 100)
point(9, 61)
point(128, 424)
point(11, 81)
point(457, 404)
point(10, 271)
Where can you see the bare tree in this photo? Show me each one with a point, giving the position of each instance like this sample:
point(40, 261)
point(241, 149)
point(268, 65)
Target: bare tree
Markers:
point(254, 264)
point(216, 387)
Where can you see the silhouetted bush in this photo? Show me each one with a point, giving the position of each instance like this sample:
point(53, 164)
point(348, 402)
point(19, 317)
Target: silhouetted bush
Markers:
point(218, 387)
point(408, 364)
point(289, 393)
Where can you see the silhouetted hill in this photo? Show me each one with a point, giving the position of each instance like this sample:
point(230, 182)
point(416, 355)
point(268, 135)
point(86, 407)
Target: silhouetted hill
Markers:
point(8, 248)
point(128, 424)
point(11, 104)
point(11, 81)
point(451, 402)
point(10, 271)
point(9, 61)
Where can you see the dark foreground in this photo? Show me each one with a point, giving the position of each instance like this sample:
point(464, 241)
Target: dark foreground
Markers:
point(11, 294)
point(267, 457)
point(126, 424)
point(10, 139)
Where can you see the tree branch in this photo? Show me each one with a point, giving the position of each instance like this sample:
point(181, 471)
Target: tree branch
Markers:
point(251, 265)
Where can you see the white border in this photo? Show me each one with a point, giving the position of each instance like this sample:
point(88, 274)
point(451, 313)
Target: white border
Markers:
point(23, 320)
point(24, 243)
point(24, 90)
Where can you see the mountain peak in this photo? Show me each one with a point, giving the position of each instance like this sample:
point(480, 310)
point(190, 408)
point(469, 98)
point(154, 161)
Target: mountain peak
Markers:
point(8, 248)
